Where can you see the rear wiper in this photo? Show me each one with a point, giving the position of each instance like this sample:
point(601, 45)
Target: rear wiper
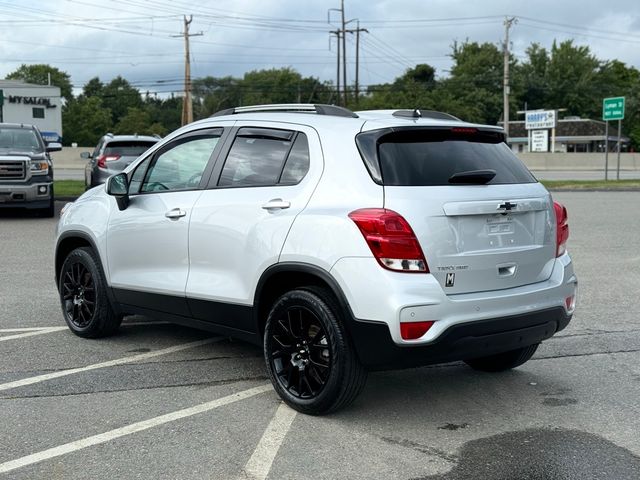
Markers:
point(473, 177)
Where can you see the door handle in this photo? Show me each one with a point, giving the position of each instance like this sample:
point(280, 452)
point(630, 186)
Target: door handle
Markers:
point(276, 204)
point(175, 213)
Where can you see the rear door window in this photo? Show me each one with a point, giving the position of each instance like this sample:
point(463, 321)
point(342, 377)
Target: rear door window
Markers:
point(431, 157)
point(263, 157)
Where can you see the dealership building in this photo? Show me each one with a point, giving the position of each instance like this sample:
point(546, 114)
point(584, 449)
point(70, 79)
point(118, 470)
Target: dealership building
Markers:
point(39, 105)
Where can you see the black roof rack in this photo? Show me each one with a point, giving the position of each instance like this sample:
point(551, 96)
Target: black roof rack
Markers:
point(419, 113)
point(291, 108)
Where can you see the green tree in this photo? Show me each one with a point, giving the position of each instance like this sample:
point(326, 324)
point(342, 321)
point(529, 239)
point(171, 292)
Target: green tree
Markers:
point(119, 96)
point(85, 120)
point(39, 75)
point(572, 79)
point(281, 85)
point(475, 82)
point(138, 121)
point(214, 94)
point(93, 88)
point(166, 112)
point(410, 90)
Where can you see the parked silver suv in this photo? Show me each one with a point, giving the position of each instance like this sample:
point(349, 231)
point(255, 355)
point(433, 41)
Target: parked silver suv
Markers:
point(340, 242)
point(113, 154)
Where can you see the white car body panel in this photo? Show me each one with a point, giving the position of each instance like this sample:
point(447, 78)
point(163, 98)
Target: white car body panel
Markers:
point(147, 251)
point(233, 239)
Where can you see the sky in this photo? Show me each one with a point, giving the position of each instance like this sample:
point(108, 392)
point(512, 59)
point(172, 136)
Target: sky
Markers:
point(140, 39)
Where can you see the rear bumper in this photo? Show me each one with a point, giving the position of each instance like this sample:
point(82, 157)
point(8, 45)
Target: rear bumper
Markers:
point(377, 350)
point(381, 296)
point(29, 195)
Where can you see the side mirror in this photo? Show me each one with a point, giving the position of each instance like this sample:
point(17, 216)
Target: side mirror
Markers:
point(85, 155)
point(54, 147)
point(118, 187)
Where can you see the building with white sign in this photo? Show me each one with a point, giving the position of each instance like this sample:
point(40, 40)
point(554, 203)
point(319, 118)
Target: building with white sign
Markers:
point(39, 105)
point(573, 135)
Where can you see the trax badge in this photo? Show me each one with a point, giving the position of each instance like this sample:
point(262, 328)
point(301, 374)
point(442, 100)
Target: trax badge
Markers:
point(451, 277)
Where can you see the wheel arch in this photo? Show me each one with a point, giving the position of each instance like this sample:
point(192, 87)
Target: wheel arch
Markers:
point(68, 242)
point(282, 277)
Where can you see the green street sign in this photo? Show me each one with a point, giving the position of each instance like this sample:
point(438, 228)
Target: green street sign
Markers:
point(613, 108)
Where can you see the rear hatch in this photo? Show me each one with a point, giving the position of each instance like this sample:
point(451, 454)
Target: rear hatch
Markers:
point(482, 220)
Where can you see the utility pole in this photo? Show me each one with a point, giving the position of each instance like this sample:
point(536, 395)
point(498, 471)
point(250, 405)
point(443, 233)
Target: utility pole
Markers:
point(344, 54)
point(357, 31)
point(337, 34)
point(507, 25)
point(187, 106)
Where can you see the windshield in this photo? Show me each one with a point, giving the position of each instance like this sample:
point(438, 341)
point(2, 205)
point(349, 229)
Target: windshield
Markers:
point(19, 139)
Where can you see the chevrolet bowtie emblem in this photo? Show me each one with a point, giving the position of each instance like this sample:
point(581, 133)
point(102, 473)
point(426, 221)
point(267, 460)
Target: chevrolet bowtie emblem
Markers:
point(508, 206)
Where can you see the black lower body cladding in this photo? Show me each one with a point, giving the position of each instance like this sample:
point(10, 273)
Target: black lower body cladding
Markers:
point(377, 350)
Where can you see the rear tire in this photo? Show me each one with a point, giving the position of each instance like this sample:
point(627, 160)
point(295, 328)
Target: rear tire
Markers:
point(310, 360)
point(83, 296)
point(503, 361)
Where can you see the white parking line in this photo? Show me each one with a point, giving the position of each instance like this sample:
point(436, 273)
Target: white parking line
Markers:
point(129, 429)
point(24, 329)
point(110, 363)
point(259, 465)
point(30, 333)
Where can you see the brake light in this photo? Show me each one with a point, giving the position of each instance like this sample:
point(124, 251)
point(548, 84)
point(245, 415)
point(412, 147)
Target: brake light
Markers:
point(464, 130)
point(562, 228)
point(414, 330)
point(390, 239)
point(103, 159)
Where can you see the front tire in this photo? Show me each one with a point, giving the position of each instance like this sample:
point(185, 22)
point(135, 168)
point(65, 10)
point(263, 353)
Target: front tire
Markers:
point(50, 211)
point(503, 361)
point(83, 296)
point(309, 357)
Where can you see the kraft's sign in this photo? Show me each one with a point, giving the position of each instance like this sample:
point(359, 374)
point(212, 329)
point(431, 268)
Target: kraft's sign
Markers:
point(45, 102)
point(540, 119)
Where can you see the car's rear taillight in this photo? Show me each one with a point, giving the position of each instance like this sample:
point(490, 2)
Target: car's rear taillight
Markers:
point(390, 239)
point(103, 159)
point(562, 228)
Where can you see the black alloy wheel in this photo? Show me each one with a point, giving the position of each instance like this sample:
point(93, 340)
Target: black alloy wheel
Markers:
point(310, 358)
point(300, 352)
point(78, 294)
point(84, 296)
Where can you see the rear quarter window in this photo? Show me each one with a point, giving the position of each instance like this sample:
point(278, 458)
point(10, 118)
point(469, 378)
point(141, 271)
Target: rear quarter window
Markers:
point(431, 157)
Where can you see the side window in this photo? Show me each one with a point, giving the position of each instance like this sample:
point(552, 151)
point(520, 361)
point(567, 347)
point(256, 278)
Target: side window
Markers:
point(138, 176)
point(262, 157)
point(181, 165)
point(297, 164)
point(256, 157)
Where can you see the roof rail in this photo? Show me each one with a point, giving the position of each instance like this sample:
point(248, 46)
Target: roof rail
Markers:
point(419, 113)
point(291, 108)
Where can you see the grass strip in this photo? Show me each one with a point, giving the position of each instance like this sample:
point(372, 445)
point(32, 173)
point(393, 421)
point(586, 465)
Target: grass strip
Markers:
point(627, 184)
point(68, 188)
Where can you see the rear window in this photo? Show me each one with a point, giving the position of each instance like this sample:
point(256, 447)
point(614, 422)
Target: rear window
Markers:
point(128, 149)
point(431, 157)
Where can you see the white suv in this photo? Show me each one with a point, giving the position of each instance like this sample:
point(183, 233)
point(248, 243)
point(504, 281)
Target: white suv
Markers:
point(341, 242)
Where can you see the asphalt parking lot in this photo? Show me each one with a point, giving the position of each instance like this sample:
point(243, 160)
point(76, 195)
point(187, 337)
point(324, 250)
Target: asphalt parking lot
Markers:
point(163, 401)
